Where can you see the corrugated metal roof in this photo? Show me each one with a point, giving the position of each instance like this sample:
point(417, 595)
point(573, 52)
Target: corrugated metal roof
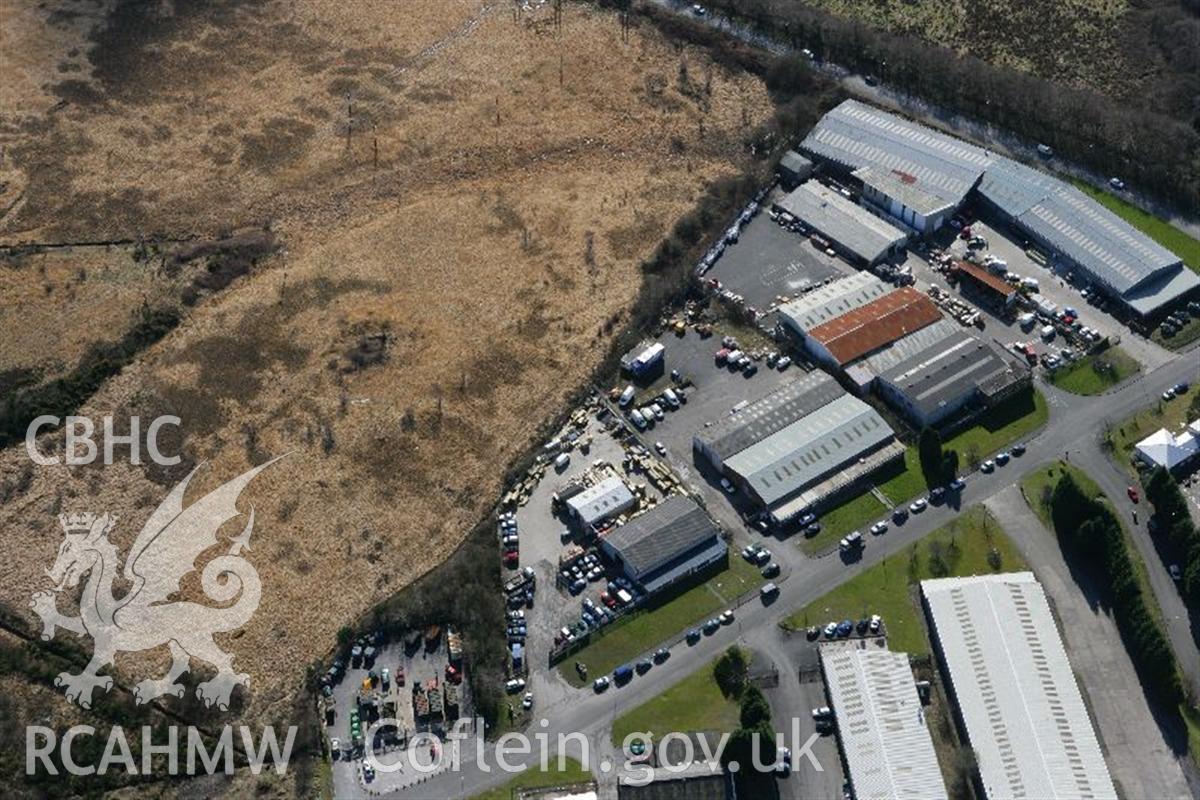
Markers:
point(904, 188)
point(870, 327)
point(1015, 690)
point(845, 222)
point(880, 723)
point(605, 499)
point(810, 448)
point(786, 404)
point(857, 135)
point(653, 539)
point(1075, 225)
point(832, 300)
point(795, 162)
point(946, 371)
point(993, 282)
point(907, 346)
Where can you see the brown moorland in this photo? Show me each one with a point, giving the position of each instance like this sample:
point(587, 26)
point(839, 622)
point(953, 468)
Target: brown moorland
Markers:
point(461, 195)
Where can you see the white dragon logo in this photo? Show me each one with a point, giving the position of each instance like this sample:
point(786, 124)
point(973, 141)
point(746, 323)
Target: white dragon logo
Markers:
point(164, 552)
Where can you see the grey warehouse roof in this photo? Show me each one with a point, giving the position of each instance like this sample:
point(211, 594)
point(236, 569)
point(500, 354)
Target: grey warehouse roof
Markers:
point(947, 370)
point(832, 300)
point(795, 162)
point(906, 347)
point(605, 499)
point(856, 135)
point(881, 724)
point(811, 448)
point(671, 529)
point(842, 220)
point(905, 188)
point(1015, 689)
point(788, 403)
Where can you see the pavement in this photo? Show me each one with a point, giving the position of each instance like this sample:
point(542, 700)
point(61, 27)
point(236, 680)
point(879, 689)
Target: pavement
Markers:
point(1073, 430)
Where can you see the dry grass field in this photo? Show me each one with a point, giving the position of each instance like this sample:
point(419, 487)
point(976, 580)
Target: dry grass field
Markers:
point(473, 184)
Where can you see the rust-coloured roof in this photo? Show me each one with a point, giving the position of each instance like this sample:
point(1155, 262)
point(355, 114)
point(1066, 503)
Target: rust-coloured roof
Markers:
point(981, 275)
point(880, 322)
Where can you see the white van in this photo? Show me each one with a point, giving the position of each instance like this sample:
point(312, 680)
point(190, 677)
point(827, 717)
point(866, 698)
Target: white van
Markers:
point(626, 396)
point(562, 462)
point(638, 420)
point(1047, 332)
point(1027, 320)
point(672, 398)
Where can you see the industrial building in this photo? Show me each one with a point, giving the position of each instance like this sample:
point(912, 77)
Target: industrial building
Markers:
point(881, 725)
point(793, 170)
point(870, 327)
point(799, 447)
point(917, 177)
point(1013, 688)
point(862, 237)
point(669, 543)
point(789, 402)
point(949, 375)
point(903, 161)
point(862, 373)
point(1178, 453)
point(985, 287)
point(831, 300)
point(1120, 260)
point(601, 501)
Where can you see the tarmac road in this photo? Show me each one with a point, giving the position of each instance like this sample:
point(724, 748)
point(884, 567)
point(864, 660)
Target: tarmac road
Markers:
point(1073, 430)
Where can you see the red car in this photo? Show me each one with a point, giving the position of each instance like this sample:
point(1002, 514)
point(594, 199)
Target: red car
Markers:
point(511, 558)
point(1133, 493)
point(452, 674)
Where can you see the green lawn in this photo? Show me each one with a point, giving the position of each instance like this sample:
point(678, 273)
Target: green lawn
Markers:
point(692, 705)
point(642, 631)
point(889, 587)
point(534, 778)
point(1161, 231)
point(1096, 373)
point(1171, 414)
point(849, 516)
point(1006, 424)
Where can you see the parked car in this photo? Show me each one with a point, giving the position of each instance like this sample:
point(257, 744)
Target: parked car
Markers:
point(879, 527)
point(1002, 458)
point(661, 654)
point(693, 636)
point(770, 570)
point(1176, 574)
point(768, 591)
point(850, 542)
point(1133, 493)
point(783, 363)
point(527, 702)
point(957, 484)
point(1018, 450)
point(1117, 184)
point(600, 684)
point(918, 505)
point(830, 630)
point(726, 617)
point(988, 466)
point(727, 486)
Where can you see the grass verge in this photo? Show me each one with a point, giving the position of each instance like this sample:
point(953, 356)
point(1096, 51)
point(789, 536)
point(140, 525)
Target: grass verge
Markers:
point(960, 547)
point(1161, 231)
point(1096, 373)
point(642, 631)
point(571, 773)
point(694, 704)
point(1007, 423)
point(1170, 414)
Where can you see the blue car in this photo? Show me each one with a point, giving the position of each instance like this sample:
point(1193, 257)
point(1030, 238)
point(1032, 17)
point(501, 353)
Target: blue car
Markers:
point(845, 628)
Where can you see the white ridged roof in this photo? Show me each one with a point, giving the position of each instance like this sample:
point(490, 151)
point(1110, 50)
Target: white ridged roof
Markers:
point(881, 723)
point(1015, 690)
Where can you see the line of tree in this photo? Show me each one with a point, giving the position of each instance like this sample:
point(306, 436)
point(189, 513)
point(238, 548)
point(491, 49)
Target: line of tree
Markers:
point(1171, 519)
point(938, 465)
point(1091, 533)
point(1154, 151)
point(754, 720)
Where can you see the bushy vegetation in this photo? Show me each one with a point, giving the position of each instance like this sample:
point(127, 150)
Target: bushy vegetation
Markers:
point(938, 465)
point(1092, 535)
point(754, 721)
point(1171, 519)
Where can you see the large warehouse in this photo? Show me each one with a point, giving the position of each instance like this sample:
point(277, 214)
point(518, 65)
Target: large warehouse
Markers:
point(870, 327)
point(908, 172)
point(831, 300)
point(799, 447)
point(858, 234)
point(881, 724)
point(937, 381)
point(1014, 689)
point(670, 542)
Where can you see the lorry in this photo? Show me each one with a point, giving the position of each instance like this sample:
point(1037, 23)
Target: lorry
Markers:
point(520, 581)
